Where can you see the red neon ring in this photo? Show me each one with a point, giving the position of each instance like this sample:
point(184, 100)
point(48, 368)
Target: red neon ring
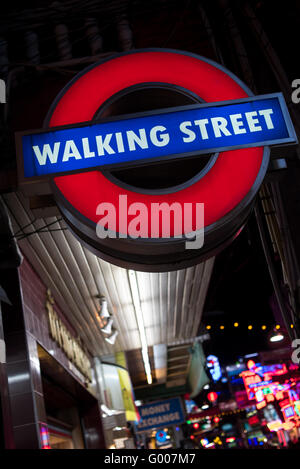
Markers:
point(221, 189)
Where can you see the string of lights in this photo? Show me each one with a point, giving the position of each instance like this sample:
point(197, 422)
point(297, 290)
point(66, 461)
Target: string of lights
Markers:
point(194, 420)
point(250, 327)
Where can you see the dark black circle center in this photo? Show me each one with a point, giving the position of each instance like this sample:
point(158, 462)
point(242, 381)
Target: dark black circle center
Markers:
point(148, 97)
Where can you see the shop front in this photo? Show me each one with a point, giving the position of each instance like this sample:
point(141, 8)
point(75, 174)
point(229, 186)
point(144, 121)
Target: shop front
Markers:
point(52, 390)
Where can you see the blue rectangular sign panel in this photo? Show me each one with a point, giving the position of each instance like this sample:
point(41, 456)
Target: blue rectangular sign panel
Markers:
point(158, 135)
point(160, 414)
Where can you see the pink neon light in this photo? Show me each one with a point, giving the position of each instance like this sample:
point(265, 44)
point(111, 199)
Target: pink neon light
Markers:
point(45, 439)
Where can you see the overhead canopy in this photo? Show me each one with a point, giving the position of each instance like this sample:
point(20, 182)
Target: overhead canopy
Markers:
point(171, 302)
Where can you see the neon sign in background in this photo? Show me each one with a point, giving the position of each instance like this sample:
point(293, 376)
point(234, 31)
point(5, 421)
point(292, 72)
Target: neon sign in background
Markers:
point(261, 387)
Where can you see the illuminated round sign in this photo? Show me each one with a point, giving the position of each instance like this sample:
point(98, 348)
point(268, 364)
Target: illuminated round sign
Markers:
point(225, 182)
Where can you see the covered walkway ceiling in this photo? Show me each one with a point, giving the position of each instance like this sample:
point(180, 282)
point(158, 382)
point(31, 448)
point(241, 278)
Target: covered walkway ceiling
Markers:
point(171, 302)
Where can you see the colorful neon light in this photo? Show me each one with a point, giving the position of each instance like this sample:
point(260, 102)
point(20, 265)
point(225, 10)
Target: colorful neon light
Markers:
point(212, 396)
point(214, 367)
point(274, 426)
point(45, 438)
point(204, 442)
point(254, 420)
point(261, 405)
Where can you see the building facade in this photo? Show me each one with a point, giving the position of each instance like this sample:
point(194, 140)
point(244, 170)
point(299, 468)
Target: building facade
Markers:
point(50, 331)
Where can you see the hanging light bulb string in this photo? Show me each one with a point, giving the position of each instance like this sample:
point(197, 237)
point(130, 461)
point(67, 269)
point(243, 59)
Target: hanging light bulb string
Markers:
point(251, 326)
